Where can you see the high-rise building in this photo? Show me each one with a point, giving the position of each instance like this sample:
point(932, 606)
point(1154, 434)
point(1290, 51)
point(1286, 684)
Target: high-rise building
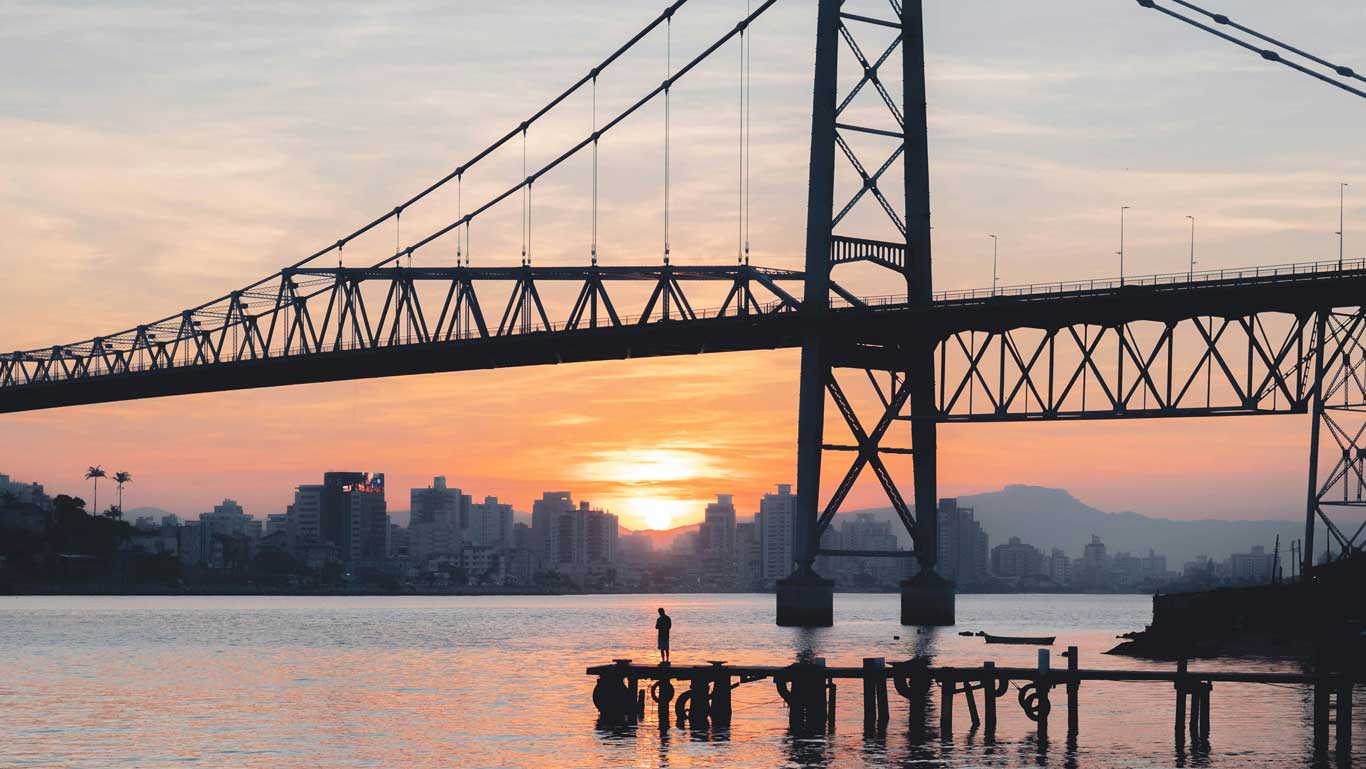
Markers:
point(1059, 567)
point(748, 557)
point(962, 545)
point(776, 524)
point(1016, 560)
point(229, 519)
point(545, 514)
point(865, 532)
point(435, 527)
point(304, 517)
point(717, 535)
point(491, 523)
point(575, 540)
point(276, 523)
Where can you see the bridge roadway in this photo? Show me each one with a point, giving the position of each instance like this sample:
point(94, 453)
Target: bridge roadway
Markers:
point(868, 336)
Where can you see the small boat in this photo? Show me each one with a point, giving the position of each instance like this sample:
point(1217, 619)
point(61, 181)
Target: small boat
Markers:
point(1020, 640)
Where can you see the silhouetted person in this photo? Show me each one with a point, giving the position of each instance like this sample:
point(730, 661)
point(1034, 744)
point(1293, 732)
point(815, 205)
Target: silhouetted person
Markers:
point(663, 625)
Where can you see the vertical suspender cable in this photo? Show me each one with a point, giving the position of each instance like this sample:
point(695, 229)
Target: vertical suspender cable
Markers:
point(740, 172)
point(748, 43)
point(668, 87)
point(594, 248)
point(524, 191)
point(460, 214)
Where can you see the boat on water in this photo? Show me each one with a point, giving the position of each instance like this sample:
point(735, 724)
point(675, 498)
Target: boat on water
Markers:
point(1020, 640)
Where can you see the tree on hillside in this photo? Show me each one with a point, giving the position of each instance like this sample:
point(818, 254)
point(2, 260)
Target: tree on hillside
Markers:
point(121, 477)
point(96, 473)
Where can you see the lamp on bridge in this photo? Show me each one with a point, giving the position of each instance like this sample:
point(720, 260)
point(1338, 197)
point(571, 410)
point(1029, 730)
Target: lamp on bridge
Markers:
point(994, 279)
point(1191, 275)
point(1122, 209)
point(1342, 196)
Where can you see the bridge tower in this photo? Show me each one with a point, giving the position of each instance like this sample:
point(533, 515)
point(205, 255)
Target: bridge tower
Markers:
point(805, 598)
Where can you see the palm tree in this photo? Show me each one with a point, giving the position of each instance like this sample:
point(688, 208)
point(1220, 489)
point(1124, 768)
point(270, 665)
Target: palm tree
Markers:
point(122, 477)
point(96, 473)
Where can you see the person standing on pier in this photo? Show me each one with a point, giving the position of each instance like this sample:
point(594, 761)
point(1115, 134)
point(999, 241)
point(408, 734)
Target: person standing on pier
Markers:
point(663, 625)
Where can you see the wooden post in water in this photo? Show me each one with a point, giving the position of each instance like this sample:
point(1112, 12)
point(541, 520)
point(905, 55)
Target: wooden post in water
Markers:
point(720, 694)
point(1344, 722)
point(1073, 684)
point(1197, 691)
point(1044, 704)
point(946, 709)
point(1321, 713)
point(989, 698)
point(875, 713)
point(1181, 688)
point(1205, 690)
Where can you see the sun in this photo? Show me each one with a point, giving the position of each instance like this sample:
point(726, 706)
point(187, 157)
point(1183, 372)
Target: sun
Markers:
point(658, 519)
point(658, 513)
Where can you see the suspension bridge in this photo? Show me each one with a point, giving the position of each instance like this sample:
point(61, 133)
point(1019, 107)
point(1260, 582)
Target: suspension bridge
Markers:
point(1281, 339)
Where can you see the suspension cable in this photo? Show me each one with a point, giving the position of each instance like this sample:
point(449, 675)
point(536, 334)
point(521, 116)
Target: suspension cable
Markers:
point(1265, 53)
point(668, 88)
point(460, 213)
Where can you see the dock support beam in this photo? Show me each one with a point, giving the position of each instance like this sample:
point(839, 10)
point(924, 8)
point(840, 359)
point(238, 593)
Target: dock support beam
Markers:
point(1182, 688)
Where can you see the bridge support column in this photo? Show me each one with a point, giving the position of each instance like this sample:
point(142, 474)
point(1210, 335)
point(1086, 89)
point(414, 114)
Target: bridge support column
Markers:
point(806, 600)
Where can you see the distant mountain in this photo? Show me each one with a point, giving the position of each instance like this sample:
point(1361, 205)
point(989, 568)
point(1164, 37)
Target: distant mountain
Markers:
point(663, 539)
point(1048, 518)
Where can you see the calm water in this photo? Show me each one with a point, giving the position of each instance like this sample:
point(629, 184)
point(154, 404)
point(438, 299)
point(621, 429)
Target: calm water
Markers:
point(499, 682)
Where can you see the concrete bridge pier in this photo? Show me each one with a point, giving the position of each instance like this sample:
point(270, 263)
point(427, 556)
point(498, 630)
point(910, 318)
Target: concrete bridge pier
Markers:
point(927, 599)
point(806, 599)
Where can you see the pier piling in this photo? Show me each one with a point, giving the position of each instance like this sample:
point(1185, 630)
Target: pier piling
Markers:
point(989, 698)
point(1182, 688)
point(1073, 684)
point(876, 713)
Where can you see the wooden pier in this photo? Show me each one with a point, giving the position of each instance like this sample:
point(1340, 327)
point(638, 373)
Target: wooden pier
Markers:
point(699, 696)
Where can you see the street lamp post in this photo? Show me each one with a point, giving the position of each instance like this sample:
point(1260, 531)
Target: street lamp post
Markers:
point(1342, 196)
point(1122, 209)
point(1191, 275)
point(994, 279)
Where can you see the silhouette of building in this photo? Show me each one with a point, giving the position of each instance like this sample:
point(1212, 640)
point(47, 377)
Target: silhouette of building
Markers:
point(776, 524)
point(1059, 567)
point(490, 524)
point(544, 514)
point(229, 519)
point(865, 532)
point(30, 493)
point(716, 543)
point(1253, 567)
point(438, 517)
point(748, 557)
point(277, 523)
point(1016, 560)
point(578, 541)
point(963, 551)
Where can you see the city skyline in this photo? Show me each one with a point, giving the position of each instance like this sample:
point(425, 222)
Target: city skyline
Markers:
point(648, 437)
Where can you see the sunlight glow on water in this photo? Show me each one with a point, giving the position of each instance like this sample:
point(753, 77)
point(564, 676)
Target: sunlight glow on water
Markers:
point(499, 682)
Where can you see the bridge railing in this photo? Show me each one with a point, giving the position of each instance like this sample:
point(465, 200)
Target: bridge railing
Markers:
point(1175, 279)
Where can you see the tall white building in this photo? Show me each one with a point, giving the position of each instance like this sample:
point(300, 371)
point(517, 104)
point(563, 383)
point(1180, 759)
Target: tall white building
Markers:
point(440, 516)
point(776, 523)
point(491, 523)
point(545, 516)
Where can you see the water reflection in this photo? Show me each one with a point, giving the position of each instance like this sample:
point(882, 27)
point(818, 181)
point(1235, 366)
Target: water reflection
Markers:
point(301, 683)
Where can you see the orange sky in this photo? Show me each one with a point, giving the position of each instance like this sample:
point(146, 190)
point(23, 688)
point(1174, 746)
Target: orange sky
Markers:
point(158, 157)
